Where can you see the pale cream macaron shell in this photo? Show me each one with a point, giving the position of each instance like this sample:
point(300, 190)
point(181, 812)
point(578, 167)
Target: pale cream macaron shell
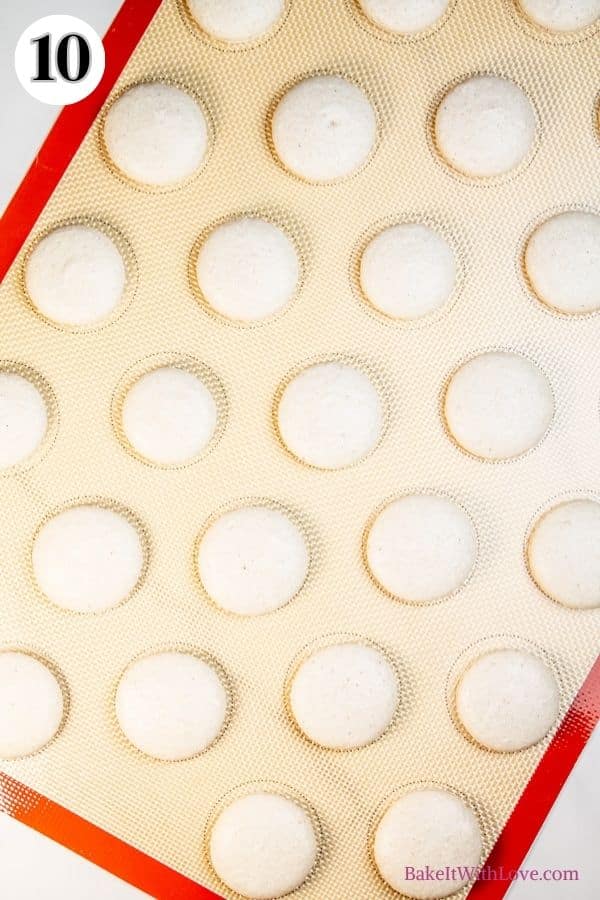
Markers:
point(485, 127)
point(507, 700)
point(324, 128)
point(426, 828)
point(408, 17)
point(421, 548)
point(32, 704)
point(330, 415)
point(75, 276)
point(563, 553)
point(247, 269)
point(23, 419)
point(88, 558)
point(171, 705)
point(156, 135)
point(169, 416)
point(561, 16)
point(263, 845)
point(344, 696)
point(237, 21)
point(498, 405)
point(408, 271)
point(562, 262)
point(252, 560)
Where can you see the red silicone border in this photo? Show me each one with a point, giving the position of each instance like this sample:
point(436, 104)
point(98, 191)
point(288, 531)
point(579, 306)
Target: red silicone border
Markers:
point(78, 834)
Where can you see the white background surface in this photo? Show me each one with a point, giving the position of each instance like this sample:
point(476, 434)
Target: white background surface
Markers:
point(34, 868)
